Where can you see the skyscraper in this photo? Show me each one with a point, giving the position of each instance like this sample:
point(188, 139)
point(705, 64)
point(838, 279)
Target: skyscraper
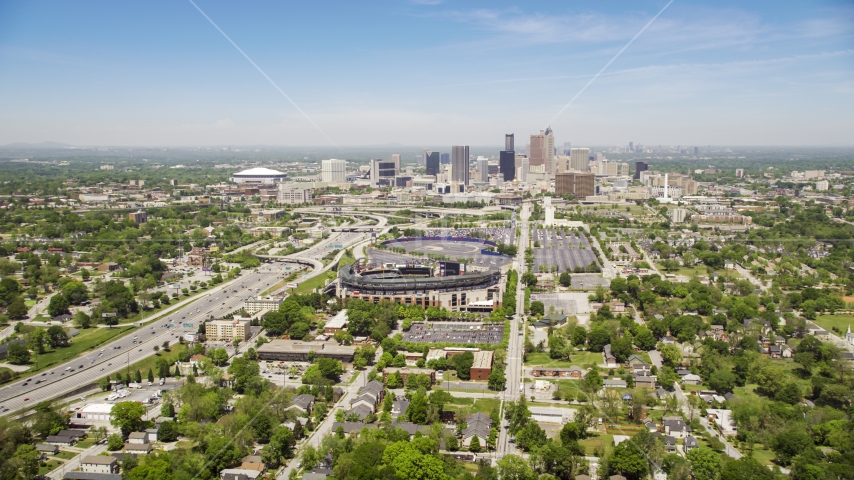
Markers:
point(550, 150)
point(507, 165)
point(567, 146)
point(423, 159)
point(537, 149)
point(460, 164)
point(580, 159)
point(333, 170)
point(384, 171)
point(482, 169)
point(432, 163)
point(446, 158)
point(640, 167)
point(508, 143)
point(631, 146)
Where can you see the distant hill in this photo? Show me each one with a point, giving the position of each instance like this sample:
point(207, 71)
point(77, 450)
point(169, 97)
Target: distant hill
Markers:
point(21, 145)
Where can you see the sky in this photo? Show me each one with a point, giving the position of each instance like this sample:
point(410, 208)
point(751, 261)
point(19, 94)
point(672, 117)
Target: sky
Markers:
point(426, 72)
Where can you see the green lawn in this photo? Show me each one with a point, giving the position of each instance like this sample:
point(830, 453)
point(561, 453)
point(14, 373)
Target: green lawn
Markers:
point(318, 281)
point(764, 456)
point(85, 443)
point(598, 440)
point(50, 466)
point(66, 455)
point(89, 339)
point(689, 272)
point(839, 322)
point(468, 406)
point(576, 358)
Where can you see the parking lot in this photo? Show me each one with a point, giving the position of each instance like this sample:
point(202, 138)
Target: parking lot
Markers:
point(450, 332)
point(566, 251)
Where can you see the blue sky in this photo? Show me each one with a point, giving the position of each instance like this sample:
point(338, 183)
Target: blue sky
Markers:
point(427, 72)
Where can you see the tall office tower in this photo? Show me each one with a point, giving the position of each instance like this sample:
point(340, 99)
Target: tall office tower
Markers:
point(563, 163)
point(537, 149)
point(508, 143)
point(524, 168)
point(631, 146)
point(640, 167)
point(581, 185)
point(460, 164)
point(507, 165)
point(580, 159)
point(567, 146)
point(446, 158)
point(550, 150)
point(423, 159)
point(432, 163)
point(384, 171)
point(482, 169)
point(333, 170)
point(696, 150)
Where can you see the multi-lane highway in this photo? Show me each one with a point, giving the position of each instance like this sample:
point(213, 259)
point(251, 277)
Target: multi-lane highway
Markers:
point(117, 355)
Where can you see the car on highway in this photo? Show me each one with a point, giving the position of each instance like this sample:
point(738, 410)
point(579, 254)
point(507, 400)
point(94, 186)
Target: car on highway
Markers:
point(27, 399)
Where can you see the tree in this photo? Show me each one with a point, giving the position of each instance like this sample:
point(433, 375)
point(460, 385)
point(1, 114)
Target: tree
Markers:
point(57, 337)
point(127, 416)
point(644, 339)
point(330, 369)
point(299, 330)
point(462, 364)
point(115, 442)
point(671, 355)
point(26, 459)
point(280, 447)
point(529, 279)
point(514, 467)
point(84, 274)
point(82, 320)
point(58, 305)
point(75, 292)
point(531, 437)
point(17, 308)
point(497, 380)
point(150, 375)
point(218, 356)
point(417, 410)
point(629, 460)
point(746, 468)
point(18, 353)
point(722, 381)
point(579, 336)
point(474, 446)
point(667, 377)
point(705, 463)
point(790, 443)
point(167, 432)
point(597, 339)
point(789, 393)
point(537, 308)
point(565, 279)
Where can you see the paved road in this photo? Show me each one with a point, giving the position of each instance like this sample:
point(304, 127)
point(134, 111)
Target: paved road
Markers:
point(134, 347)
point(514, 371)
point(131, 348)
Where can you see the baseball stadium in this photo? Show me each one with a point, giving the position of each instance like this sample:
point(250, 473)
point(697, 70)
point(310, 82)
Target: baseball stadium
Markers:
point(409, 280)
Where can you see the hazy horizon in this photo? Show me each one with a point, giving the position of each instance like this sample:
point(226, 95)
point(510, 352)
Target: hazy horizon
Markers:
point(161, 74)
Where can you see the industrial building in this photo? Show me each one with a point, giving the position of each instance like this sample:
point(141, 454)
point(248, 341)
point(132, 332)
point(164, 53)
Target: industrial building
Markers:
point(581, 185)
point(297, 351)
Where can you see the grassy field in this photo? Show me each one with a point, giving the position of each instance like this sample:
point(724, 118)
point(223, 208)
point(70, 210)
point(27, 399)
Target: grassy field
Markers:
point(88, 339)
point(85, 443)
point(576, 358)
point(66, 455)
point(463, 407)
point(601, 441)
point(764, 456)
point(318, 281)
point(840, 322)
point(50, 466)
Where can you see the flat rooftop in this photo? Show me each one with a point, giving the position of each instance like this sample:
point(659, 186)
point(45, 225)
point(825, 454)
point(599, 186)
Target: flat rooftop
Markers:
point(299, 346)
point(482, 359)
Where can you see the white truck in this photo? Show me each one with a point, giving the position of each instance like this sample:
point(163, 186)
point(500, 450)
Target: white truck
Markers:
point(134, 385)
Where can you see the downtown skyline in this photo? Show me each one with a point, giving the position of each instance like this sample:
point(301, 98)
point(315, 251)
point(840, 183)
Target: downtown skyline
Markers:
point(426, 73)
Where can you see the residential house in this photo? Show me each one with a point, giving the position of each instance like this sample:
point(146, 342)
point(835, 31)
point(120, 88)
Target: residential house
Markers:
point(690, 443)
point(80, 475)
point(238, 474)
point(303, 403)
point(138, 438)
point(99, 464)
point(691, 379)
point(47, 448)
point(609, 358)
point(614, 383)
point(62, 440)
point(675, 426)
point(138, 448)
point(478, 424)
point(399, 407)
point(644, 381)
